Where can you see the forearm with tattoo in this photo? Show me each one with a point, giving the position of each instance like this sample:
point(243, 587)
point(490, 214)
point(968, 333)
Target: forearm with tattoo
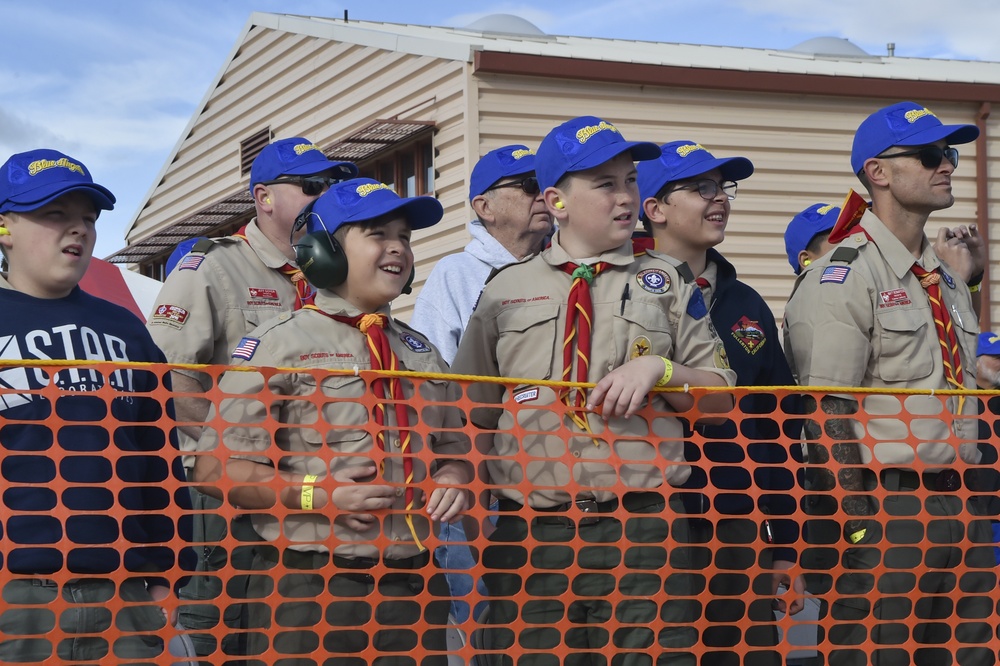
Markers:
point(846, 450)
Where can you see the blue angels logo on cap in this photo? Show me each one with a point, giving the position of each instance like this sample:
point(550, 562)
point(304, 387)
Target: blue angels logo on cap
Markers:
point(680, 160)
point(512, 160)
point(361, 199)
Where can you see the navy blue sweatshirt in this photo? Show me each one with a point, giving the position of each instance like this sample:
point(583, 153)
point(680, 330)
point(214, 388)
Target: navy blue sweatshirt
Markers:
point(73, 481)
point(748, 331)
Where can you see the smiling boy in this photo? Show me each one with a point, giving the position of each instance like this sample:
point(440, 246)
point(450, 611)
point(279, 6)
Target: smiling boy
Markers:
point(357, 253)
point(56, 459)
point(587, 310)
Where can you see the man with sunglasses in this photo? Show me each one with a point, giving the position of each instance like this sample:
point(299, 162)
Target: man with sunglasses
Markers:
point(884, 311)
point(223, 289)
point(511, 223)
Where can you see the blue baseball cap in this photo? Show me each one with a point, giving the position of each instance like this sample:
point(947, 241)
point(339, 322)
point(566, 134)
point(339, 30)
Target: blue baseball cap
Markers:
point(989, 344)
point(805, 226)
point(500, 163)
point(362, 199)
point(294, 157)
point(680, 160)
point(30, 180)
point(903, 124)
point(584, 143)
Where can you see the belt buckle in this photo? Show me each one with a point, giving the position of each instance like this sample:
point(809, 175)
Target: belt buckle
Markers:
point(587, 506)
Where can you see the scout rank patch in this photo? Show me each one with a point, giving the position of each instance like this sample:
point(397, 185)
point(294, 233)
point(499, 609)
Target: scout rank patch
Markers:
point(414, 343)
point(246, 348)
point(171, 315)
point(948, 280)
point(639, 347)
point(749, 334)
point(654, 280)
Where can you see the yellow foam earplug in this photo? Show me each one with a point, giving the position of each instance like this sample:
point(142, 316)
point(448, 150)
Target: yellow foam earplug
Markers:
point(4, 231)
point(559, 204)
point(807, 262)
point(267, 200)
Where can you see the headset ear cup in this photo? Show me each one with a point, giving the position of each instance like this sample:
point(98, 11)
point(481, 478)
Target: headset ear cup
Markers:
point(321, 259)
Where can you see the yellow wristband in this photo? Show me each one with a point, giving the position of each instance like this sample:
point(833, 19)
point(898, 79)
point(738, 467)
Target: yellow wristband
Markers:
point(307, 492)
point(974, 289)
point(668, 372)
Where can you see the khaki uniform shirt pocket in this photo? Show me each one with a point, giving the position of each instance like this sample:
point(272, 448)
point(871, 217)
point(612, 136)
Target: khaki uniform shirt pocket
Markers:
point(902, 351)
point(527, 338)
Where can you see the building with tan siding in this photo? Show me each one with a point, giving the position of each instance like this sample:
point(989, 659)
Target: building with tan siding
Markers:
point(417, 106)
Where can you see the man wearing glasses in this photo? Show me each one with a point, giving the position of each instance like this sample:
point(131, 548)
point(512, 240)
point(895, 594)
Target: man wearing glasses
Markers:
point(216, 295)
point(883, 311)
point(511, 223)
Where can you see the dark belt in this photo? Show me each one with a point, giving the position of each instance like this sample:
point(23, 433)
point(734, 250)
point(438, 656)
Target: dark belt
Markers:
point(632, 502)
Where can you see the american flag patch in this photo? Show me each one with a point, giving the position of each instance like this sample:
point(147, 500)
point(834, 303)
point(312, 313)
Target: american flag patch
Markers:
point(191, 262)
point(835, 274)
point(246, 348)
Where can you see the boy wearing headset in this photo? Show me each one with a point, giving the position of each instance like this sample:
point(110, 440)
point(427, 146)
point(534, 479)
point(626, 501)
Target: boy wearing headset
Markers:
point(356, 252)
point(587, 309)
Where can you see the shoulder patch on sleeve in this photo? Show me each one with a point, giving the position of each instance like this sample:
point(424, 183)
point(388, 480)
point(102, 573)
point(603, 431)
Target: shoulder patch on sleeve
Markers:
point(246, 348)
point(835, 274)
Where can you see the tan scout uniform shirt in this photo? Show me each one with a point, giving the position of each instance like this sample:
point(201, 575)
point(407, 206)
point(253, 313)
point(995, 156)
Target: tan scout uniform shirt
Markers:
point(202, 314)
point(876, 330)
point(310, 339)
point(517, 330)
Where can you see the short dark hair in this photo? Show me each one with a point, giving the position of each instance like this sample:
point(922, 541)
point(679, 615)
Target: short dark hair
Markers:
point(813, 245)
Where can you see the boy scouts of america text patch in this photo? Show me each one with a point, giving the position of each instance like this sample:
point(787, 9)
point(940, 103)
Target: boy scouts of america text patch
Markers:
point(653, 280)
point(835, 274)
point(246, 348)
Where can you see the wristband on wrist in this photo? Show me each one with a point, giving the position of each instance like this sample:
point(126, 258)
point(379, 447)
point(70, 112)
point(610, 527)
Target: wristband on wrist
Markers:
point(976, 280)
point(668, 372)
point(306, 499)
point(974, 288)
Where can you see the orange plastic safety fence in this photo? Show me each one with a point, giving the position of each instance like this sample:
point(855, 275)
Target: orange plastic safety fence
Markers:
point(642, 543)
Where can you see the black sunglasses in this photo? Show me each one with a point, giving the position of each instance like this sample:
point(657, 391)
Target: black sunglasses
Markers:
point(312, 186)
point(708, 189)
point(528, 185)
point(930, 156)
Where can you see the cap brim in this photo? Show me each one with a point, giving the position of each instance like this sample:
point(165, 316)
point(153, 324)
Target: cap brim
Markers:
point(953, 134)
point(640, 151)
point(348, 169)
point(101, 196)
point(420, 212)
point(732, 168)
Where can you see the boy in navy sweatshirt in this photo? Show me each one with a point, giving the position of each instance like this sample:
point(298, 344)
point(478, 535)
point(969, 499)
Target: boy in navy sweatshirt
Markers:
point(80, 499)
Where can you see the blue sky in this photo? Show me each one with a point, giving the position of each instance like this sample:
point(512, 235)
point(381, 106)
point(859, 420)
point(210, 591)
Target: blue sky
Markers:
point(114, 82)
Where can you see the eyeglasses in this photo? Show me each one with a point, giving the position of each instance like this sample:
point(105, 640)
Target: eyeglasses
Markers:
point(312, 186)
point(930, 156)
point(709, 189)
point(528, 185)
